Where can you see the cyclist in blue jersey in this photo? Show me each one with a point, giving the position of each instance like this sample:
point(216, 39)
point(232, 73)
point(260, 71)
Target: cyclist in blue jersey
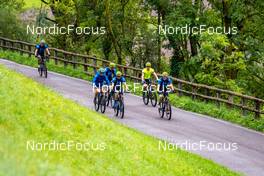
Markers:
point(165, 86)
point(110, 71)
point(99, 80)
point(41, 50)
point(118, 84)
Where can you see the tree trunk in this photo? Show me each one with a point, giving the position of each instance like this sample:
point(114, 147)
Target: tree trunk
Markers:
point(111, 34)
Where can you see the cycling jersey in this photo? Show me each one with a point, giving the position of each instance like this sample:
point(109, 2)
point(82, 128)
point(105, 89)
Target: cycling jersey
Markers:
point(110, 73)
point(100, 80)
point(41, 49)
point(163, 83)
point(147, 73)
point(118, 83)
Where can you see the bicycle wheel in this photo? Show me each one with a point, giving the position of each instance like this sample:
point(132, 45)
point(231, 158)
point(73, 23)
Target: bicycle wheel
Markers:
point(117, 109)
point(145, 97)
point(45, 72)
point(153, 99)
point(112, 101)
point(168, 111)
point(161, 110)
point(107, 99)
point(39, 71)
point(96, 102)
point(121, 109)
point(103, 104)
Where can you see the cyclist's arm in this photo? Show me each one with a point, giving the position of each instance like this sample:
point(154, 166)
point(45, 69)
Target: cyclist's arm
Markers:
point(159, 82)
point(94, 79)
point(47, 51)
point(171, 85)
point(155, 75)
point(36, 52)
point(113, 84)
point(142, 76)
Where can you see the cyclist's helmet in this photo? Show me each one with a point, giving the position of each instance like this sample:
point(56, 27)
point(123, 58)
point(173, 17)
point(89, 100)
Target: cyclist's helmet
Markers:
point(148, 64)
point(118, 74)
point(42, 42)
point(101, 70)
point(112, 64)
point(165, 74)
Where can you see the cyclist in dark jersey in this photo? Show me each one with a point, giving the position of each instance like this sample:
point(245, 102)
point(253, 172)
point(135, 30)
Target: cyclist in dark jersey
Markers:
point(164, 86)
point(117, 86)
point(41, 50)
point(110, 71)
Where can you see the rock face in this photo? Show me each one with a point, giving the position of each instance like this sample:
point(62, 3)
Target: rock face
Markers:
point(29, 16)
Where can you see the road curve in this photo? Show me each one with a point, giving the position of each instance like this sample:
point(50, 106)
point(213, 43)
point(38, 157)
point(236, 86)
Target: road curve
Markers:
point(184, 127)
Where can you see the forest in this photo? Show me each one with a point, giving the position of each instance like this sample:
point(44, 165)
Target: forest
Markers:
point(213, 42)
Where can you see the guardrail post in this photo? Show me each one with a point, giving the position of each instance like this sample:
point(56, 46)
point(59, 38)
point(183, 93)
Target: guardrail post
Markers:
point(74, 62)
point(85, 68)
point(21, 48)
point(257, 108)
point(180, 88)
point(95, 64)
point(230, 100)
point(243, 103)
point(218, 96)
point(4, 44)
point(193, 92)
point(64, 58)
point(12, 46)
point(29, 49)
point(207, 93)
point(55, 57)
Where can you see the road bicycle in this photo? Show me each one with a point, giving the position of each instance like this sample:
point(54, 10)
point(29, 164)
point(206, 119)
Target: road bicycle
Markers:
point(150, 95)
point(109, 98)
point(119, 106)
point(165, 107)
point(42, 69)
point(100, 101)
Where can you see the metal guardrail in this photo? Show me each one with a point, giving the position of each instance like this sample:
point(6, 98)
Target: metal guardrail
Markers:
point(197, 91)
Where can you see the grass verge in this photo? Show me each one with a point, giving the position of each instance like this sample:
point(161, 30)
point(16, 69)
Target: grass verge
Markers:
point(186, 103)
point(32, 113)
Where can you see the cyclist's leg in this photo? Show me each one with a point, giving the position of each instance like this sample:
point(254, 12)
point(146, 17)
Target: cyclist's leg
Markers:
point(161, 98)
point(96, 91)
point(115, 99)
point(146, 84)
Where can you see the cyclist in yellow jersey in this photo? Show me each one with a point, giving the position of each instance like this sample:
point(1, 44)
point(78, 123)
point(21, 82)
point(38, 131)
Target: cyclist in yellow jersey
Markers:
point(147, 75)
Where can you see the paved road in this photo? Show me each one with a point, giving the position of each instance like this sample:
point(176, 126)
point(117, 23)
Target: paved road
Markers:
point(185, 127)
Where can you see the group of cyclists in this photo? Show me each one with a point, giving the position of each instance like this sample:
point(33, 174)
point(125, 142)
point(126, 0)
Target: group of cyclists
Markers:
point(115, 80)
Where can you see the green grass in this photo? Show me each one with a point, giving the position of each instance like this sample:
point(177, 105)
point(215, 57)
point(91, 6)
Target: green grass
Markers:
point(186, 103)
point(224, 113)
point(32, 4)
point(30, 111)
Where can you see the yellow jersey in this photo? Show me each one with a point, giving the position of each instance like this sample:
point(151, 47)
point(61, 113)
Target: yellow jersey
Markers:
point(147, 73)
